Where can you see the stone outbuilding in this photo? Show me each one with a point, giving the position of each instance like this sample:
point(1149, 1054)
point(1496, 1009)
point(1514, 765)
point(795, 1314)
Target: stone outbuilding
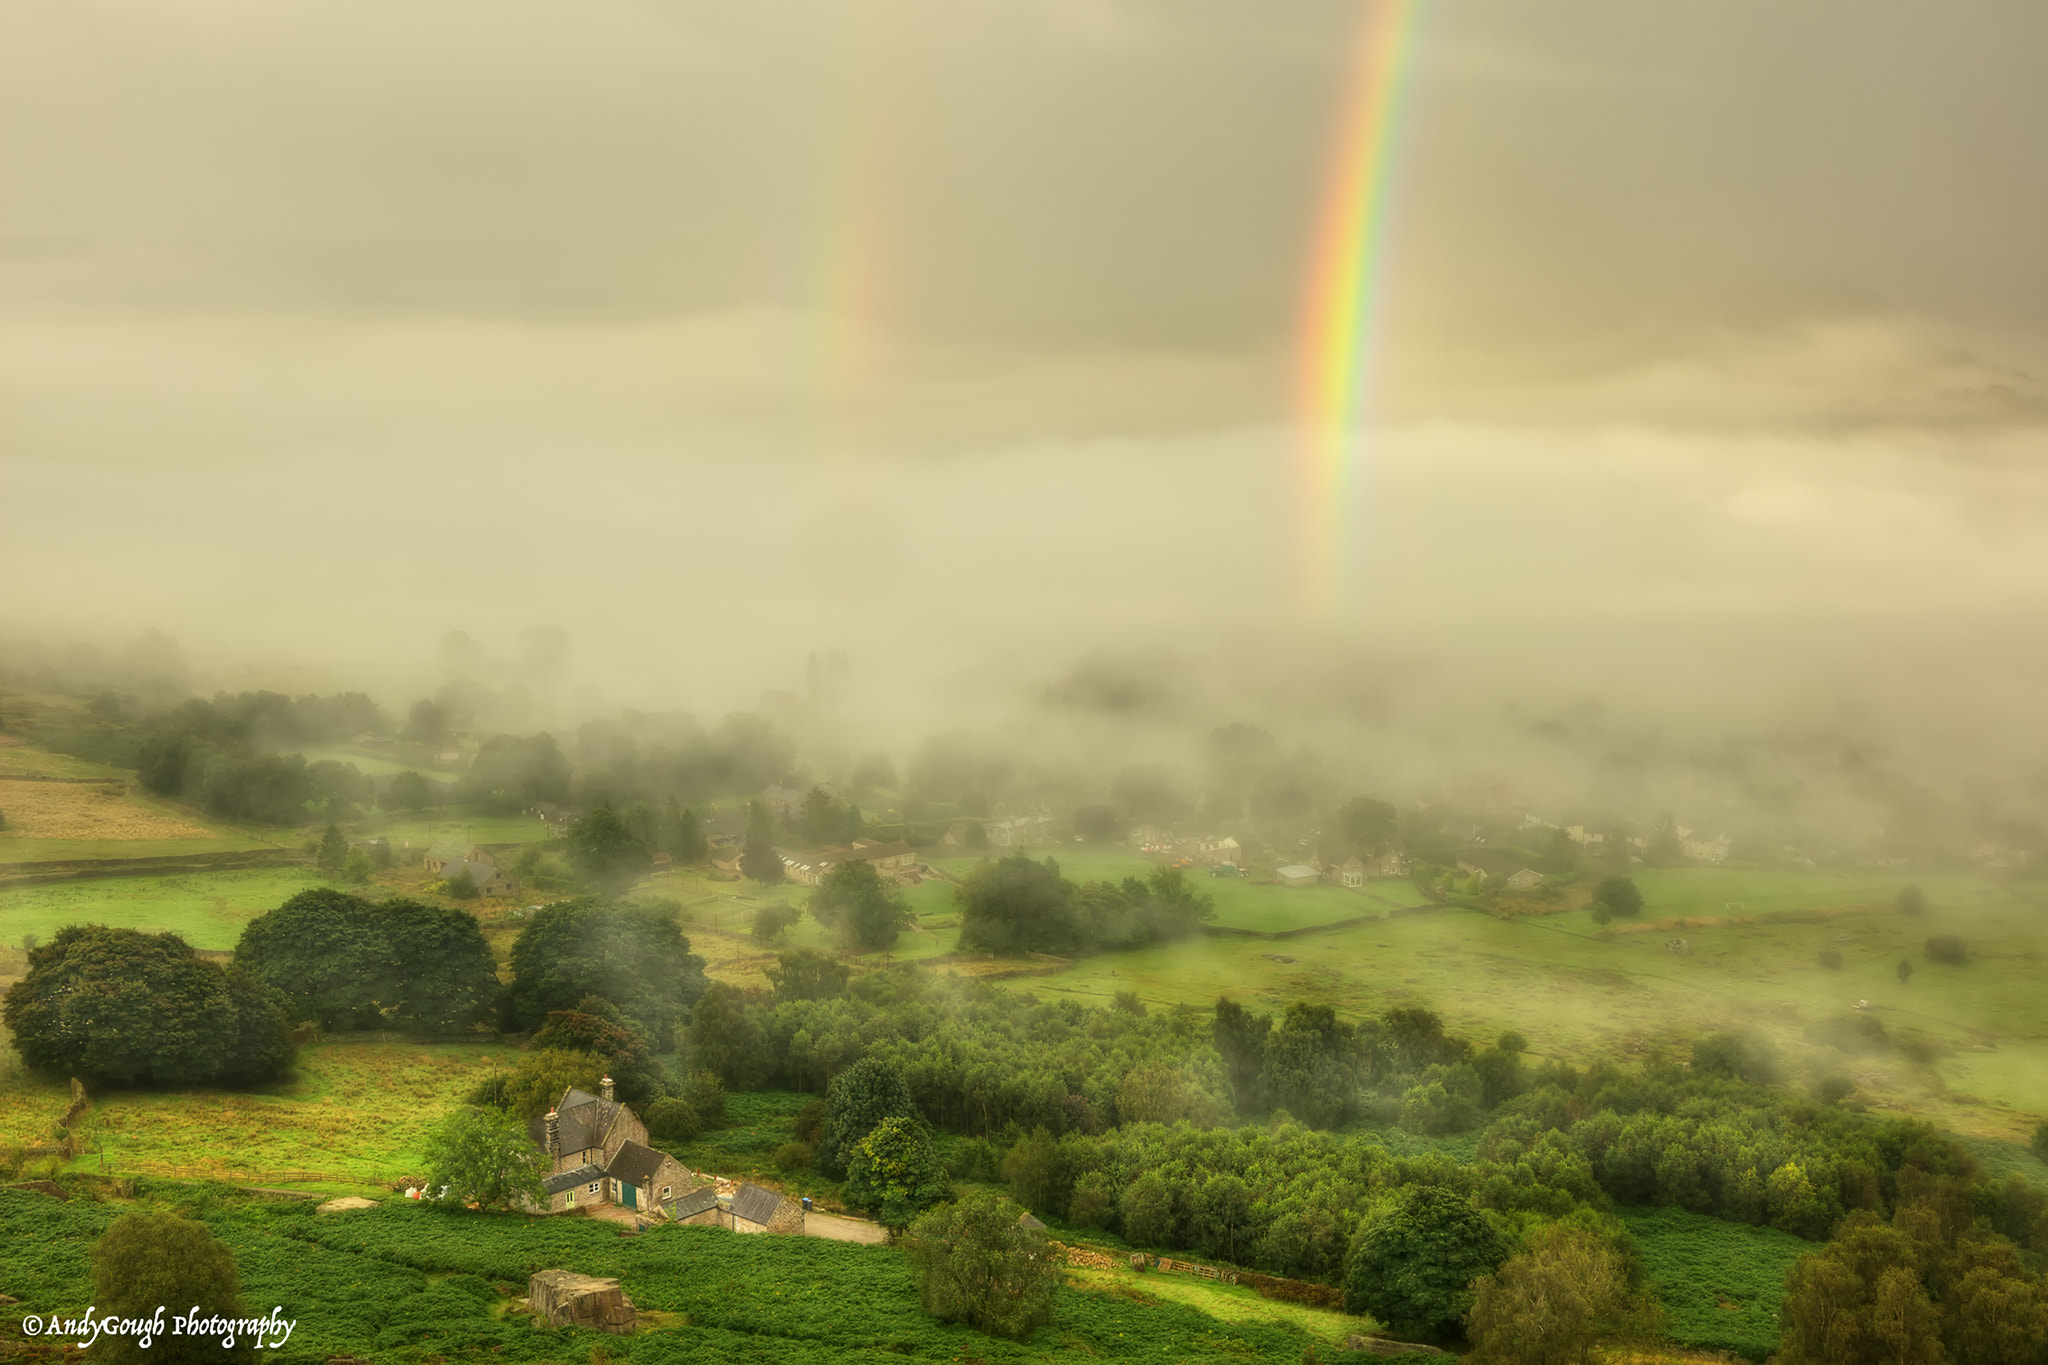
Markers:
point(700, 1207)
point(755, 1209)
point(570, 1300)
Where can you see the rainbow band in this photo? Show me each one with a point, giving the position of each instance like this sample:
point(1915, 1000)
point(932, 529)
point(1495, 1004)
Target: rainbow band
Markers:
point(1344, 294)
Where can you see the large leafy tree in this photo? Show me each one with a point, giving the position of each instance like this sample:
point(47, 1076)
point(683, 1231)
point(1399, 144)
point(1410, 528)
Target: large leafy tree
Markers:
point(1860, 1301)
point(858, 1099)
point(1552, 1303)
point(721, 1037)
point(514, 772)
point(975, 1262)
point(633, 955)
point(895, 1173)
point(344, 962)
point(407, 791)
point(1018, 905)
point(485, 1157)
point(147, 1261)
point(1412, 1265)
point(122, 1007)
point(605, 852)
point(594, 1027)
point(865, 910)
point(1619, 897)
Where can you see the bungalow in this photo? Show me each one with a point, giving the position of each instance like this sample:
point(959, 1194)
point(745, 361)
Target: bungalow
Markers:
point(1526, 879)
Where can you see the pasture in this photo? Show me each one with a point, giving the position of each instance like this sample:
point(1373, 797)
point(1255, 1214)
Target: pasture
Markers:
point(49, 821)
point(355, 1111)
point(207, 909)
point(1582, 995)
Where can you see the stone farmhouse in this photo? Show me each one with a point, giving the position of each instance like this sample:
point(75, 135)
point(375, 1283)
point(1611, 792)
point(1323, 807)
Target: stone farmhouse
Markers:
point(480, 861)
point(598, 1154)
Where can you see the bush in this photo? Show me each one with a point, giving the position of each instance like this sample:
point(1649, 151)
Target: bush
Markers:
point(792, 1157)
point(1912, 901)
point(1945, 948)
point(975, 1262)
point(1620, 896)
point(1833, 1089)
point(1738, 1054)
point(1831, 960)
point(672, 1119)
point(147, 1260)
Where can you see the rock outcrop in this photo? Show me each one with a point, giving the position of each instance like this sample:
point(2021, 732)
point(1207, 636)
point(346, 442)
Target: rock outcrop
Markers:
point(571, 1300)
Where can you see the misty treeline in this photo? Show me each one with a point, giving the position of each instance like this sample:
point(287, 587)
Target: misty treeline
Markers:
point(1019, 905)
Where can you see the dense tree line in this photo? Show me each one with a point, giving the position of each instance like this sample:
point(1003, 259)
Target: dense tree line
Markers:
point(632, 955)
point(344, 962)
point(1018, 905)
point(121, 1007)
point(221, 755)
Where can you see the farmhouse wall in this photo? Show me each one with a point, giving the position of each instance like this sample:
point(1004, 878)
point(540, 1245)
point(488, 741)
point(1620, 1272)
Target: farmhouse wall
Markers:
point(787, 1218)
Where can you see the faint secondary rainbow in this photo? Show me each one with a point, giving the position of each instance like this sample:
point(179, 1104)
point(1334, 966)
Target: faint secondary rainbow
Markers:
point(1344, 292)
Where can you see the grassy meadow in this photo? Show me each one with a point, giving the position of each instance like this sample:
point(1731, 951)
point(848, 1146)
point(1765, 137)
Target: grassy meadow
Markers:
point(206, 909)
point(1583, 994)
point(356, 1111)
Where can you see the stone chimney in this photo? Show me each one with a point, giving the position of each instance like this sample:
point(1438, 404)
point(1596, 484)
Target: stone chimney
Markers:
point(605, 1087)
point(554, 1133)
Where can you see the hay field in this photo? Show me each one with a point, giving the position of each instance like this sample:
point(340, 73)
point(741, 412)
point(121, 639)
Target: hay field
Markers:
point(86, 810)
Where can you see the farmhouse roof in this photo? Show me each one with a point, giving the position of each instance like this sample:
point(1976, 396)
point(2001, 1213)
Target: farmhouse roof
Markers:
point(1030, 1224)
point(568, 1180)
point(448, 851)
point(693, 1203)
point(480, 873)
point(1299, 870)
point(755, 1204)
point(635, 1162)
point(583, 1119)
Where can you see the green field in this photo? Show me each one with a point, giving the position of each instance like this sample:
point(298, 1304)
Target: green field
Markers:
point(18, 760)
point(207, 909)
point(1721, 1284)
point(354, 1110)
point(407, 1283)
point(1582, 995)
point(1241, 903)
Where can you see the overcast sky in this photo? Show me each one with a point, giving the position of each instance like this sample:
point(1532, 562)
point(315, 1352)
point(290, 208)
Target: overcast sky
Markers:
point(329, 325)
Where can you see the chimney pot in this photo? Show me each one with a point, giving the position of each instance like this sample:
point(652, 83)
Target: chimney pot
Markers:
point(606, 1086)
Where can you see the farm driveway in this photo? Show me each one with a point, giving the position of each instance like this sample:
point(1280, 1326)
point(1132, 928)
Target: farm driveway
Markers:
point(844, 1229)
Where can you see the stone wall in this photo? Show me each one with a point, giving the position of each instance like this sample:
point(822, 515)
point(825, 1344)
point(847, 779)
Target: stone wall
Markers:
point(568, 1299)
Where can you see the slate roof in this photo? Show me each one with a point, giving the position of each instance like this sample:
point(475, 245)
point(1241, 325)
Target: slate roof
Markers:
point(635, 1162)
point(755, 1204)
point(1030, 1224)
point(695, 1202)
point(480, 873)
point(585, 1119)
point(582, 1175)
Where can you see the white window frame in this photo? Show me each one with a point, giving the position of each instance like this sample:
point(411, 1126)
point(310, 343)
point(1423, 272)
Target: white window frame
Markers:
point(597, 1188)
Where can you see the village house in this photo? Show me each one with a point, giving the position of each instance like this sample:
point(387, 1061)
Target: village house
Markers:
point(1351, 873)
point(1017, 831)
point(1223, 850)
point(598, 1153)
point(1527, 879)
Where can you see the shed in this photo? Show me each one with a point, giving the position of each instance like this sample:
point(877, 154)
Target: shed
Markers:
point(698, 1206)
point(755, 1209)
point(1298, 874)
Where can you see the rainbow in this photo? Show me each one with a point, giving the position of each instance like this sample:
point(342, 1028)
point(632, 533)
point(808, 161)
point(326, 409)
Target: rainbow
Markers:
point(1344, 293)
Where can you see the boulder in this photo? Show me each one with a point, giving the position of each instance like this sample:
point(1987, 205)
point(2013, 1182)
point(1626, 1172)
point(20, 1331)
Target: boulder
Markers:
point(571, 1300)
point(1381, 1346)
